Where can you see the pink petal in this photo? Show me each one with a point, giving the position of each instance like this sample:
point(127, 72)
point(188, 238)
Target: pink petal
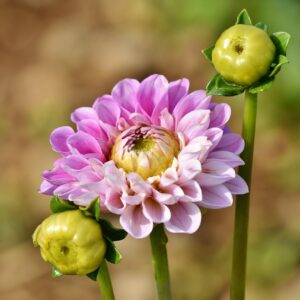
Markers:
point(220, 115)
point(191, 102)
point(92, 128)
point(169, 177)
point(177, 90)
point(138, 185)
point(152, 91)
point(198, 118)
point(125, 92)
point(189, 169)
point(215, 173)
point(83, 113)
point(231, 142)
point(216, 197)
point(227, 157)
point(185, 218)
point(47, 188)
point(114, 202)
point(192, 191)
point(58, 139)
point(57, 176)
point(166, 120)
point(237, 186)
point(214, 135)
point(107, 110)
point(84, 143)
point(139, 119)
point(155, 211)
point(75, 162)
point(135, 223)
point(196, 149)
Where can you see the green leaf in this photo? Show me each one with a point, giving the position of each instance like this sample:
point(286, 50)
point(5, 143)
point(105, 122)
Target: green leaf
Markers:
point(93, 209)
point(59, 205)
point(55, 273)
point(112, 255)
point(93, 275)
point(262, 26)
point(282, 60)
point(218, 86)
point(243, 18)
point(111, 232)
point(281, 41)
point(208, 53)
point(261, 85)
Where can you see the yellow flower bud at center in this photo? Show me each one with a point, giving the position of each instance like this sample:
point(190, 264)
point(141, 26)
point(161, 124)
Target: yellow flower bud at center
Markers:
point(145, 150)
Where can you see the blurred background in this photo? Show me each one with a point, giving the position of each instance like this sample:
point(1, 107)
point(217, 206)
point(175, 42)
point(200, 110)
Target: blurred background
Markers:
point(58, 55)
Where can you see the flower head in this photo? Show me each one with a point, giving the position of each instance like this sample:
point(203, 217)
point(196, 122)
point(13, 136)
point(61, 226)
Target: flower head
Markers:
point(153, 152)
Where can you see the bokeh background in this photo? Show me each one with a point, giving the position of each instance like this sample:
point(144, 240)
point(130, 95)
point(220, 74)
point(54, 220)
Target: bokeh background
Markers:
point(58, 55)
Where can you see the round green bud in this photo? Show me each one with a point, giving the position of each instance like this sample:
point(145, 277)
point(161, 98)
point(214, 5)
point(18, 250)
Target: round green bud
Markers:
point(71, 242)
point(243, 54)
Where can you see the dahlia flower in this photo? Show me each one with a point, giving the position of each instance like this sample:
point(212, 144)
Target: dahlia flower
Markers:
point(153, 153)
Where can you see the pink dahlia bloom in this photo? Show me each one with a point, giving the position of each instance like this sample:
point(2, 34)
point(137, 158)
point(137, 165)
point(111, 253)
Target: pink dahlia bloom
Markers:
point(152, 152)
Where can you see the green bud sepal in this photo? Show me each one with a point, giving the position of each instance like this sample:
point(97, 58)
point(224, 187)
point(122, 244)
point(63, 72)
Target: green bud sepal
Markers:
point(219, 86)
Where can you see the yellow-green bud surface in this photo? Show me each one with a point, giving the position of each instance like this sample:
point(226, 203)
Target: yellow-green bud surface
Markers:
point(71, 242)
point(243, 54)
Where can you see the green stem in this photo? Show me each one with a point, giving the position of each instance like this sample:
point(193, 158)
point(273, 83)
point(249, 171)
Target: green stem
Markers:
point(238, 280)
point(104, 282)
point(160, 262)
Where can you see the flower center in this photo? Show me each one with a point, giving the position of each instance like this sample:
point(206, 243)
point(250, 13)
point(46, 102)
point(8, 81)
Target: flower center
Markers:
point(146, 150)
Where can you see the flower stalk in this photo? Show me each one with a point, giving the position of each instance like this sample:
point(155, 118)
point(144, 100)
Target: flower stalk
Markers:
point(159, 240)
point(238, 281)
point(104, 282)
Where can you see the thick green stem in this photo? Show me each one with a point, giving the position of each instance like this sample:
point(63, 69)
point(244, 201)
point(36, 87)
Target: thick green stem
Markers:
point(160, 262)
point(104, 282)
point(238, 280)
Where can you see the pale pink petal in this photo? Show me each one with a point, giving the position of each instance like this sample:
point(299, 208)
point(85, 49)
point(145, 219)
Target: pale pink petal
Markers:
point(237, 186)
point(125, 93)
point(133, 199)
point(47, 188)
point(169, 177)
point(216, 197)
point(135, 223)
point(196, 149)
point(195, 118)
point(155, 211)
point(107, 110)
point(227, 157)
point(58, 139)
point(151, 92)
point(189, 169)
point(83, 113)
point(139, 119)
point(114, 201)
point(220, 115)
point(84, 143)
point(191, 102)
point(192, 191)
point(214, 173)
point(177, 90)
point(138, 185)
point(166, 120)
point(92, 128)
point(231, 142)
point(214, 135)
point(185, 218)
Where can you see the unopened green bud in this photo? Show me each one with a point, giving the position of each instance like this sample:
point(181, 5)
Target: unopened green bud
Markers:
point(71, 242)
point(243, 54)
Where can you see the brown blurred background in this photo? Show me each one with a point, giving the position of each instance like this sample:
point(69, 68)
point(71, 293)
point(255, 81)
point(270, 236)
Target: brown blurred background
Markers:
point(57, 55)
